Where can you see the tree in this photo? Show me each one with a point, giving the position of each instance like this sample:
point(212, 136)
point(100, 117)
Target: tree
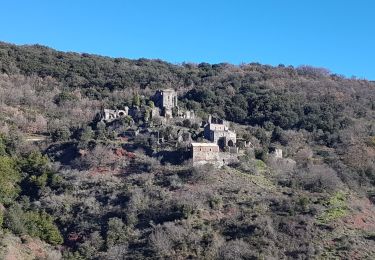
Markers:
point(101, 132)
point(117, 232)
point(9, 179)
point(100, 156)
point(161, 242)
point(136, 100)
point(261, 154)
point(1, 218)
point(86, 135)
point(61, 134)
point(41, 225)
point(38, 173)
point(236, 114)
point(146, 116)
point(236, 249)
point(151, 104)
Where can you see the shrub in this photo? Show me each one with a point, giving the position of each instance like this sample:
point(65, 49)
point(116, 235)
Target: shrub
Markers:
point(117, 233)
point(236, 249)
point(261, 154)
point(33, 223)
point(64, 97)
point(186, 123)
point(41, 225)
point(61, 134)
point(38, 173)
point(336, 208)
point(161, 242)
point(319, 178)
point(9, 179)
point(14, 220)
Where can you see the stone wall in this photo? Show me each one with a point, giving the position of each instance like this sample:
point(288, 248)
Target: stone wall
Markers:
point(202, 153)
point(109, 115)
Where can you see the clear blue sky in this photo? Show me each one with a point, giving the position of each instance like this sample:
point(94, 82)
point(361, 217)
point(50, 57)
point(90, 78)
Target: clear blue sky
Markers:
point(336, 34)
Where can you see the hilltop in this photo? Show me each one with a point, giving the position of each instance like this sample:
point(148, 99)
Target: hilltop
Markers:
point(91, 188)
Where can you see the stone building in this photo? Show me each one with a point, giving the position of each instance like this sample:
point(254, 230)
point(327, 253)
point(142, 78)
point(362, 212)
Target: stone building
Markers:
point(276, 152)
point(217, 131)
point(166, 100)
point(108, 115)
point(203, 153)
point(188, 114)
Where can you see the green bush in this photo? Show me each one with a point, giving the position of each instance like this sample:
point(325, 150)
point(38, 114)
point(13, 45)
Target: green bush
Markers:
point(41, 225)
point(336, 208)
point(9, 179)
point(33, 223)
point(61, 134)
point(261, 154)
point(117, 232)
point(38, 173)
point(64, 96)
point(14, 220)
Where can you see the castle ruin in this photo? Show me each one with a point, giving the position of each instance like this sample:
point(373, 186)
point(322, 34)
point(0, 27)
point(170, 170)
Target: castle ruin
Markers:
point(109, 115)
point(217, 131)
point(202, 153)
point(166, 100)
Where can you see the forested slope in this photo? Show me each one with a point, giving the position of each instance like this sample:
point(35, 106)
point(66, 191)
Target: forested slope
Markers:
point(91, 195)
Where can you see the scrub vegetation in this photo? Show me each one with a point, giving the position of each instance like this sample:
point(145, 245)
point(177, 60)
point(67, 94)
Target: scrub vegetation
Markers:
point(82, 189)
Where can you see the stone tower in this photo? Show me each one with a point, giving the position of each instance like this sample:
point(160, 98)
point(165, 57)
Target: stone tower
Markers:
point(166, 100)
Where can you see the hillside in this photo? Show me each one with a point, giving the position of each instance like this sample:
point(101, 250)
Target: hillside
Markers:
point(90, 190)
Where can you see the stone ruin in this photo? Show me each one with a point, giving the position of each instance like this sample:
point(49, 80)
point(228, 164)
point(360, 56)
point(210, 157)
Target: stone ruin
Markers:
point(217, 131)
point(209, 153)
point(202, 153)
point(276, 152)
point(188, 114)
point(109, 115)
point(166, 100)
point(166, 105)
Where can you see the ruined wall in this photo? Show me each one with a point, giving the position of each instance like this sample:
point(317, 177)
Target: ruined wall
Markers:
point(110, 115)
point(204, 154)
point(169, 99)
point(220, 134)
point(166, 98)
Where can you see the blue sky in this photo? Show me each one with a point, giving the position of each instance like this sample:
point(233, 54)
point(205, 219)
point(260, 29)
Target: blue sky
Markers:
point(335, 34)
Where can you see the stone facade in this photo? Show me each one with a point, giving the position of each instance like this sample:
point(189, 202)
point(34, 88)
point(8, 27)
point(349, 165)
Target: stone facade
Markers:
point(188, 114)
point(203, 153)
point(109, 115)
point(277, 152)
point(220, 134)
point(166, 100)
